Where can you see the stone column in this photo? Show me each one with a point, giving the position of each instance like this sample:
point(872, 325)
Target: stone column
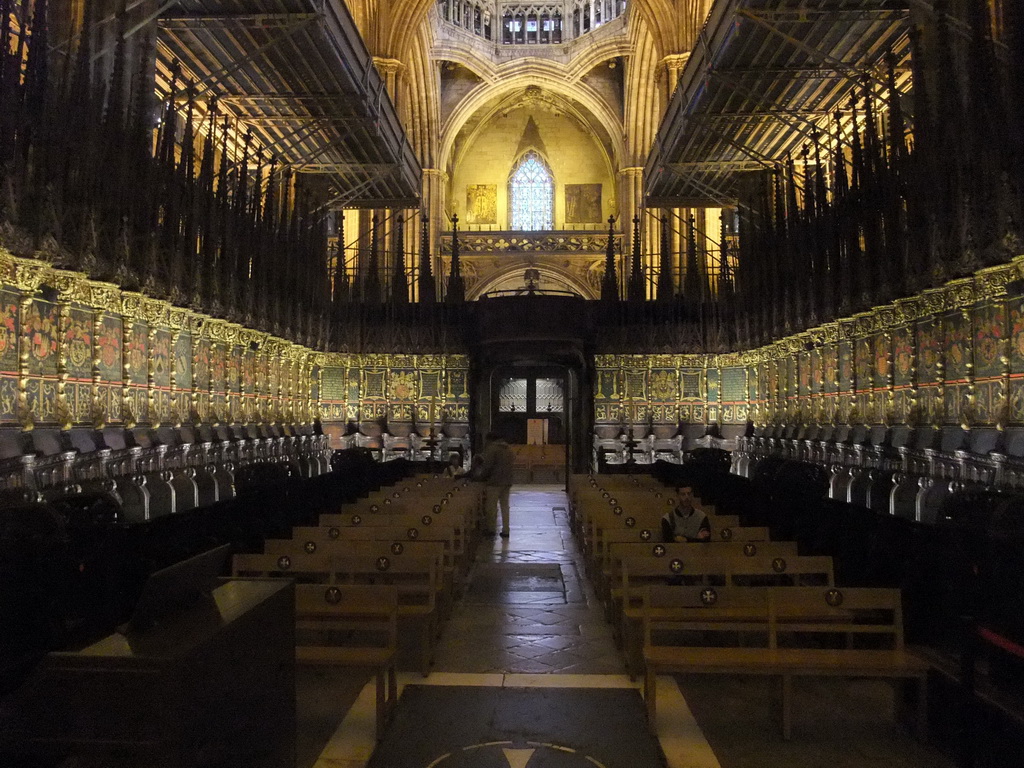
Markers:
point(389, 69)
point(435, 185)
point(631, 196)
point(671, 67)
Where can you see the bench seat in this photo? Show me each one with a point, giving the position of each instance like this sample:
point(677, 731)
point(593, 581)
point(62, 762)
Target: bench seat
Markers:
point(352, 626)
point(796, 625)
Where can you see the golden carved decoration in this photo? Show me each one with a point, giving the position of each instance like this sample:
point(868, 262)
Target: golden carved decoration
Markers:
point(71, 286)
point(62, 414)
point(25, 417)
point(105, 297)
point(132, 305)
point(968, 414)
point(98, 415)
point(177, 317)
point(29, 274)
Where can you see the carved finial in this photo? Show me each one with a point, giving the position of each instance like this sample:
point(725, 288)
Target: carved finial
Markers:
point(62, 414)
point(26, 419)
point(968, 416)
point(98, 416)
point(1002, 412)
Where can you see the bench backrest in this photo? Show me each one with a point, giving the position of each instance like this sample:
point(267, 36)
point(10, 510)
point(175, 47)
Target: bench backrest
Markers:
point(299, 565)
point(704, 609)
point(371, 610)
point(772, 570)
point(735, 570)
point(790, 617)
point(804, 614)
point(368, 548)
point(618, 551)
point(416, 577)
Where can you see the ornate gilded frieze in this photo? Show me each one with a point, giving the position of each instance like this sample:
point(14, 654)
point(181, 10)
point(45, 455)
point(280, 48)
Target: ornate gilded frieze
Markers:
point(103, 355)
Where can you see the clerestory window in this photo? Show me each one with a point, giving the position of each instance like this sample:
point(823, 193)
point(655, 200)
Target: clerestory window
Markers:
point(532, 194)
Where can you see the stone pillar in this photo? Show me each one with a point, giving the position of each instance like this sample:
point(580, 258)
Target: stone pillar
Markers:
point(630, 201)
point(393, 72)
point(435, 185)
point(671, 67)
point(389, 69)
point(631, 192)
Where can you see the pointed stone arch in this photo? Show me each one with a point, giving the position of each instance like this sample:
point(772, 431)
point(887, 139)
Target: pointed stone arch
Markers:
point(550, 274)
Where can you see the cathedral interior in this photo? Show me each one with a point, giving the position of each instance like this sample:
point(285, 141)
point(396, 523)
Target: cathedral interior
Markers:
point(268, 264)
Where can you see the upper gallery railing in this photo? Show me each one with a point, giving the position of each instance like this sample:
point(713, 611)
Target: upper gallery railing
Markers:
point(517, 23)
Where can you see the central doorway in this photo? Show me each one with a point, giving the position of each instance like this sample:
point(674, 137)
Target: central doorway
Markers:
point(531, 377)
point(529, 404)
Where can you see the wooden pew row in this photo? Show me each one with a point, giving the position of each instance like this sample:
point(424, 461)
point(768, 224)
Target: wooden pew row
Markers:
point(352, 626)
point(413, 524)
point(418, 492)
point(436, 542)
point(804, 632)
point(737, 571)
point(593, 493)
point(647, 522)
point(594, 501)
point(414, 577)
point(609, 579)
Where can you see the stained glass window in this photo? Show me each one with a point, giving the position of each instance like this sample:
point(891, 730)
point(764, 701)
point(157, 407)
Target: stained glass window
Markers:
point(549, 395)
point(532, 190)
point(512, 396)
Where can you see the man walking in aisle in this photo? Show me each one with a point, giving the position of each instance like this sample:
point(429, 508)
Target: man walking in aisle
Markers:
point(496, 474)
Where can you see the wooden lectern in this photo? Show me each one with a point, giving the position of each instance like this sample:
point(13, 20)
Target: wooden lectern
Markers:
point(213, 685)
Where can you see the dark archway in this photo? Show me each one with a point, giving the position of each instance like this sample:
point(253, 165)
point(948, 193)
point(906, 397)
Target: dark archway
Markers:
point(534, 339)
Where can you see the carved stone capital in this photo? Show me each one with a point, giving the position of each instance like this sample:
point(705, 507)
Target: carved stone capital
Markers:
point(388, 67)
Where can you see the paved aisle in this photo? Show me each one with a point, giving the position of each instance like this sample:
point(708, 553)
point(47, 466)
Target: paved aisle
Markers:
point(528, 620)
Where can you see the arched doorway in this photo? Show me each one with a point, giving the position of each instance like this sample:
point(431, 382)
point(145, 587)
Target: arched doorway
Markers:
point(531, 375)
point(528, 403)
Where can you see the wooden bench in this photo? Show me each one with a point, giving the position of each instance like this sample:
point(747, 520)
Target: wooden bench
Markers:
point(705, 569)
point(358, 541)
point(413, 523)
point(604, 526)
point(809, 632)
point(608, 584)
point(415, 578)
point(302, 566)
point(351, 626)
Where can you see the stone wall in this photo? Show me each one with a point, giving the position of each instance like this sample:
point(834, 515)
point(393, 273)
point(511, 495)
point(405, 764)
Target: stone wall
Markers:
point(486, 160)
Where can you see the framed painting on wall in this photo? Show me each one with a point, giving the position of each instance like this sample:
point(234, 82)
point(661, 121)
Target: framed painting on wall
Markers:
point(582, 203)
point(481, 204)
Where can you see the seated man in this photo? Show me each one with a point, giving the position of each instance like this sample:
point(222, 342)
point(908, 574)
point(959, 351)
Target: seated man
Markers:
point(454, 468)
point(685, 522)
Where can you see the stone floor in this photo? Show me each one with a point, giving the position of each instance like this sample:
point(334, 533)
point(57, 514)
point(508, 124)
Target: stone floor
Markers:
point(529, 619)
